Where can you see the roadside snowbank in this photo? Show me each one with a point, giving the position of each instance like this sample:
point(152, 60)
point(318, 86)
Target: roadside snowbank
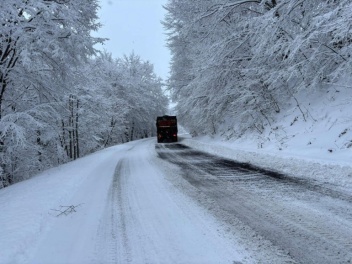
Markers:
point(311, 139)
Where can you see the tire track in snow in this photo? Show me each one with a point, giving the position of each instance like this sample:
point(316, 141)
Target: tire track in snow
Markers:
point(152, 224)
point(124, 249)
point(112, 245)
point(106, 241)
point(311, 222)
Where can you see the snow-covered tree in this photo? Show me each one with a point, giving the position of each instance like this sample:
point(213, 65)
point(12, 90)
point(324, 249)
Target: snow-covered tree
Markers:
point(59, 98)
point(142, 90)
point(236, 64)
point(40, 43)
point(120, 99)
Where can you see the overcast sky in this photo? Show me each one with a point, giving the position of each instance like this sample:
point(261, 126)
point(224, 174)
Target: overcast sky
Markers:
point(134, 25)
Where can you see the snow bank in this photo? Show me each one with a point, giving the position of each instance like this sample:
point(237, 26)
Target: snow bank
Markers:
point(311, 139)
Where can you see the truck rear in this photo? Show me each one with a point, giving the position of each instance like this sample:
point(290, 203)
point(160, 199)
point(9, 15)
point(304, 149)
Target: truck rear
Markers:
point(166, 127)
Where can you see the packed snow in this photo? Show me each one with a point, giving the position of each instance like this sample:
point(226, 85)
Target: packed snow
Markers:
point(123, 211)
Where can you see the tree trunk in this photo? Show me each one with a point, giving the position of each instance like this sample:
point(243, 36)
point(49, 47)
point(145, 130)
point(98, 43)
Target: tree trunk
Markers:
point(77, 137)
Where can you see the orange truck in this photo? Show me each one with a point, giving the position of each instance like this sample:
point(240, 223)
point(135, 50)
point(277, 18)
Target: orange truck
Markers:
point(166, 127)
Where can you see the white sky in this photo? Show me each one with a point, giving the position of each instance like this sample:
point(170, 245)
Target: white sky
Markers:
point(134, 25)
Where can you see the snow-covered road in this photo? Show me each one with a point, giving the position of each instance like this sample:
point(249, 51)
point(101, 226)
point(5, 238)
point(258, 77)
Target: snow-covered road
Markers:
point(146, 221)
point(143, 202)
point(127, 212)
point(309, 220)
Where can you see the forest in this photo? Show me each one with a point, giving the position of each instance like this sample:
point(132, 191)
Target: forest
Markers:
point(239, 64)
point(60, 98)
point(236, 67)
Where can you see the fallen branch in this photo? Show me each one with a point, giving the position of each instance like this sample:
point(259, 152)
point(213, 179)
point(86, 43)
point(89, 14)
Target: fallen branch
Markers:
point(66, 209)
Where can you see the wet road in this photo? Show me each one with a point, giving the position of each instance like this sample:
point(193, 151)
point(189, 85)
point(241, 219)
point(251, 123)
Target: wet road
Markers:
point(309, 221)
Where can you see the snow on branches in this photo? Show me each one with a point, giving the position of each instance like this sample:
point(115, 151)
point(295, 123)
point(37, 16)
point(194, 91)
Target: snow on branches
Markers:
point(59, 98)
point(236, 64)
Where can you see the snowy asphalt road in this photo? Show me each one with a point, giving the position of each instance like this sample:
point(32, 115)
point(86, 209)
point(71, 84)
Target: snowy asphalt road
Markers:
point(147, 222)
point(143, 202)
point(309, 221)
